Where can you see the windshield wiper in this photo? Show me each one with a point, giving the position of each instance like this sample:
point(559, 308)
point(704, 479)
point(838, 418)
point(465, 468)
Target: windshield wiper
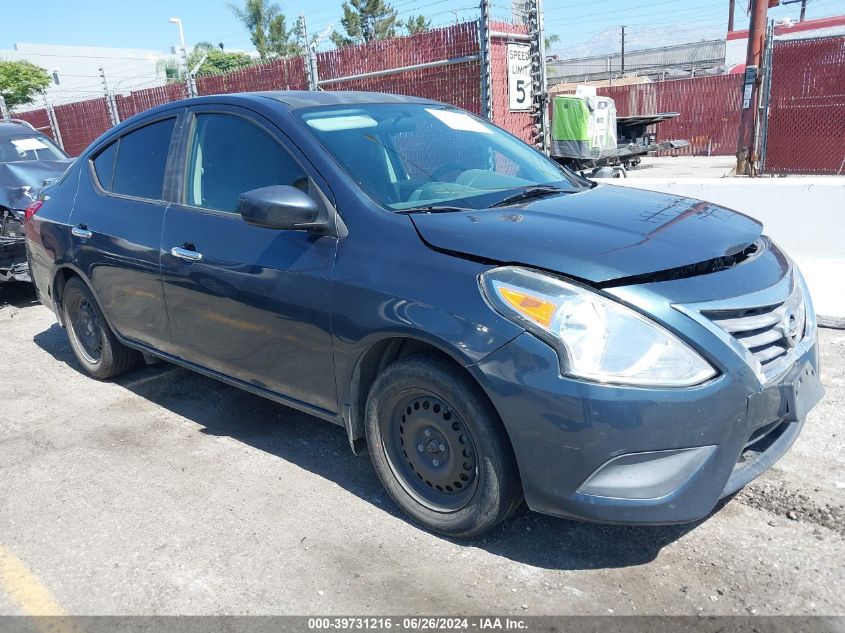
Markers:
point(528, 194)
point(433, 209)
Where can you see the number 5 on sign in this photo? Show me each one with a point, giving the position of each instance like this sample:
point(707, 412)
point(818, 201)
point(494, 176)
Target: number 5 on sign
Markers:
point(519, 77)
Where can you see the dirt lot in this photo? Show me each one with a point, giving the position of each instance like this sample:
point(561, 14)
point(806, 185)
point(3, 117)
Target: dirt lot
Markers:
point(165, 492)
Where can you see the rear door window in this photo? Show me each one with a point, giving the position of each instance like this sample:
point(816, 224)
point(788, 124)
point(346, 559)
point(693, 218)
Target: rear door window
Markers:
point(141, 161)
point(104, 166)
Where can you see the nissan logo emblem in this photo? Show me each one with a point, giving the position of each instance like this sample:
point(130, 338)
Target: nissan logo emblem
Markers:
point(790, 326)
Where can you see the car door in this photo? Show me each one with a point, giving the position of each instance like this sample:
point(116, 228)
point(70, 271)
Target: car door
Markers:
point(116, 229)
point(246, 301)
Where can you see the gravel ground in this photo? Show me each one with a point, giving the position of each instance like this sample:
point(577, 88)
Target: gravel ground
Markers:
point(165, 492)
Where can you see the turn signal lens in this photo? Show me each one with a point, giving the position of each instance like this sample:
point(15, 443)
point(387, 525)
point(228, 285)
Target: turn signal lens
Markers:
point(32, 210)
point(532, 307)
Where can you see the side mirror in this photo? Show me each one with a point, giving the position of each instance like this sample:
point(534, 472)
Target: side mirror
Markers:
point(280, 207)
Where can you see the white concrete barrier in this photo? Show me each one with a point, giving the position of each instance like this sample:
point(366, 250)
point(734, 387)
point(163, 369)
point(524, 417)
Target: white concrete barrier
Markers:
point(804, 215)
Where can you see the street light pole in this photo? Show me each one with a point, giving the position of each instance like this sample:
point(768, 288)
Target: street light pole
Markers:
point(188, 78)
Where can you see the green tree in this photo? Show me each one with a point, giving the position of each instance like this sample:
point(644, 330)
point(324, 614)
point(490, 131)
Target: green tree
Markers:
point(21, 81)
point(267, 28)
point(216, 60)
point(365, 21)
point(283, 42)
point(551, 39)
point(417, 24)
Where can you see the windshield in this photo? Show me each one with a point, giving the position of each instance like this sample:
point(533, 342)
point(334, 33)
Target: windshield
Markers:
point(410, 155)
point(32, 147)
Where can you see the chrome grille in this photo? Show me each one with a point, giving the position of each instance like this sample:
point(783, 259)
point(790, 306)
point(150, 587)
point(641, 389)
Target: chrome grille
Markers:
point(771, 332)
point(768, 328)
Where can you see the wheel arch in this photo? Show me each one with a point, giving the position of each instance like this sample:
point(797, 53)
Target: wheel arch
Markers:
point(375, 358)
point(60, 279)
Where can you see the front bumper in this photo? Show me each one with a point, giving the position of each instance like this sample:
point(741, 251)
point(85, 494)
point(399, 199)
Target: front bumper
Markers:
point(13, 262)
point(631, 455)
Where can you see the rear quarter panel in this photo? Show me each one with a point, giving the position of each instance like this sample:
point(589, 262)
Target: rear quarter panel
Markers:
point(48, 233)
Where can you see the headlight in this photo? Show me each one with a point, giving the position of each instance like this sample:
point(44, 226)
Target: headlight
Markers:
point(597, 338)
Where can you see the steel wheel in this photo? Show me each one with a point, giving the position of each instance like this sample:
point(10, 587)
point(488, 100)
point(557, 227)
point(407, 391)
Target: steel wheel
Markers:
point(84, 327)
point(430, 451)
point(93, 343)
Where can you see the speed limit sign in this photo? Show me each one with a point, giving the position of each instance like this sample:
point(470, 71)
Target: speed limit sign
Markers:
point(519, 77)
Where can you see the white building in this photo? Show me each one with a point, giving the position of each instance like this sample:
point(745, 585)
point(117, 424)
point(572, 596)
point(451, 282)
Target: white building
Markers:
point(76, 69)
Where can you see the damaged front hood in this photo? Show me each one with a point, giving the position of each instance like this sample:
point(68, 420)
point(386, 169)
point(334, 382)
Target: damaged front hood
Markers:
point(27, 173)
point(600, 235)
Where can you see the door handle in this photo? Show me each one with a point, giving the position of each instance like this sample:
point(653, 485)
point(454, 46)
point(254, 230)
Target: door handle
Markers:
point(81, 232)
point(186, 254)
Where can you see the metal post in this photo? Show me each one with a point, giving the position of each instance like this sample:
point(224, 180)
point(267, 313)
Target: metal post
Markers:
point(486, 61)
point(4, 111)
point(731, 7)
point(54, 122)
point(622, 60)
point(111, 106)
point(189, 82)
point(538, 73)
point(745, 156)
point(762, 142)
point(310, 56)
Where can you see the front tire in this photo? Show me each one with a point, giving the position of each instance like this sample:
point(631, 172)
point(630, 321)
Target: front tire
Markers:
point(93, 343)
point(439, 447)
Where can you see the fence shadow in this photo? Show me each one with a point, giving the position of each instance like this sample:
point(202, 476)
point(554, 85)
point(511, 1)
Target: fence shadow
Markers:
point(322, 448)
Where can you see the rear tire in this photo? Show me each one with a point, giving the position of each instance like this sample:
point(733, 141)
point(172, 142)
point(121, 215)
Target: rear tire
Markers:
point(439, 447)
point(93, 343)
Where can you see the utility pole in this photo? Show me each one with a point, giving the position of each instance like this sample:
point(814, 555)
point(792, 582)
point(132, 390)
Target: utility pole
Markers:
point(745, 153)
point(731, 7)
point(622, 60)
point(803, 7)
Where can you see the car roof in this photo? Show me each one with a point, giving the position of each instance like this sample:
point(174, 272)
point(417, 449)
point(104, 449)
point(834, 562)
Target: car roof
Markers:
point(14, 128)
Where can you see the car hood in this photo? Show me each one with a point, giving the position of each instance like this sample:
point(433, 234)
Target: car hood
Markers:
point(599, 235)
point(27, 173)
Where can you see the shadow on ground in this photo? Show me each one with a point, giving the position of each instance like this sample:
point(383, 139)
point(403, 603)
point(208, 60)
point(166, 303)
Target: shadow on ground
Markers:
point(17, 294)
point(322, 448)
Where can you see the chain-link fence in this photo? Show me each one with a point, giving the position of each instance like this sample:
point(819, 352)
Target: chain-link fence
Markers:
point(441, 64)
point(39, 119)
point(806, 128)
point(468, 64)
point(464, 64)
point(279, 74)
point(709, 110)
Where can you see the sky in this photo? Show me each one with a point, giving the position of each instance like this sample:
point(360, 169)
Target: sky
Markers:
point(585, 27)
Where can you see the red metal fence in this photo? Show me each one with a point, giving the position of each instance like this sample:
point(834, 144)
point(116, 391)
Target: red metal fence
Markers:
point(279, 74)
point(709, 110)
point(37, 119)
point(806, 124)
point(807, 107)
point(456, 83)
